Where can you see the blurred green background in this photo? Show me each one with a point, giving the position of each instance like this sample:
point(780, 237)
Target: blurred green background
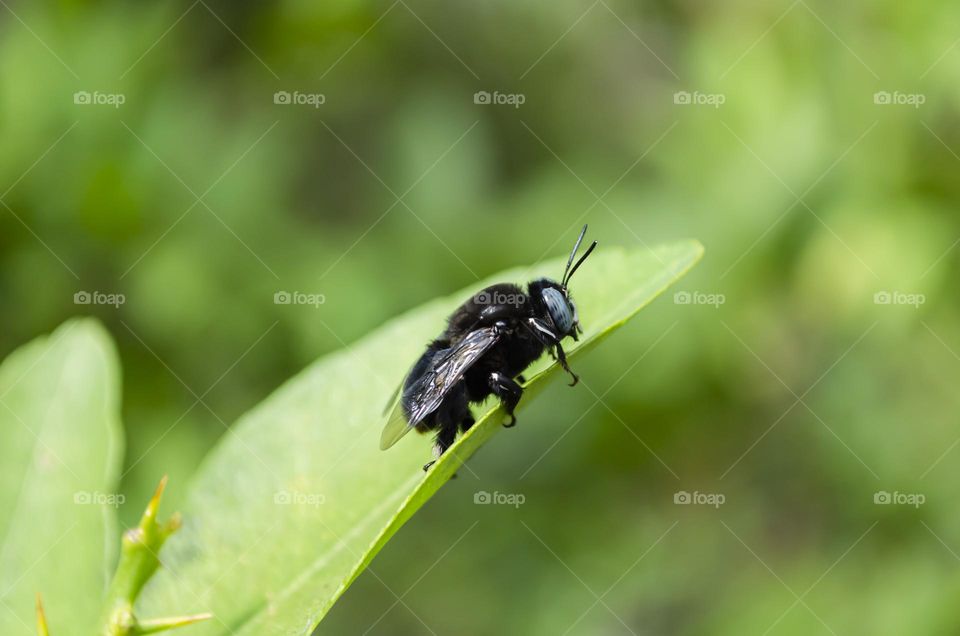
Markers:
point(813, 369)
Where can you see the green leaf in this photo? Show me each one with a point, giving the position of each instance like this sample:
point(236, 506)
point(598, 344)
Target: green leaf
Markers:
point(60, 452)
point(298, 498)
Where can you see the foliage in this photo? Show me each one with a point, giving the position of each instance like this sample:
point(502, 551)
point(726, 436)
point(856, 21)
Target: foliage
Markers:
point(812, 198)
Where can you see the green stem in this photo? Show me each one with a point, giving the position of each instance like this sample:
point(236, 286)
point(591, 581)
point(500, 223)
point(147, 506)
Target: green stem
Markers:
point(139, 560)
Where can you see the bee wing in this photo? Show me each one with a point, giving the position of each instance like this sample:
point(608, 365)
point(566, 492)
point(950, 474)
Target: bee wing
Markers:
point(395, 428)
point(447, 369)
point(394, 398)
point(425, 395)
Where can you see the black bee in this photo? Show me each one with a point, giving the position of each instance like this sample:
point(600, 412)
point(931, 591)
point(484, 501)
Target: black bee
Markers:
point(489, 341)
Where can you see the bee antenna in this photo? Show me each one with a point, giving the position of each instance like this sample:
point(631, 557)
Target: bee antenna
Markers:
point(566, 272)
point(582, 258)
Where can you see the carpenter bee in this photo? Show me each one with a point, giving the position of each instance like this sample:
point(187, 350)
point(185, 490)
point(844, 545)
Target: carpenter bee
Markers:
point(489, 341)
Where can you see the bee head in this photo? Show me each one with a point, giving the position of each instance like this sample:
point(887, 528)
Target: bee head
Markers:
point(555, 299)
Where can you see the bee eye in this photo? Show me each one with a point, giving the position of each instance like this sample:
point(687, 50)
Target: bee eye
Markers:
point(559, 309)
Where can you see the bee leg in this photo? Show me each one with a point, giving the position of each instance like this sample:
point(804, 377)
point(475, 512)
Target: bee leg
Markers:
point(562, 359)
point(443, 440)
point(509, 393)
point(521, 379)
point(460, 408)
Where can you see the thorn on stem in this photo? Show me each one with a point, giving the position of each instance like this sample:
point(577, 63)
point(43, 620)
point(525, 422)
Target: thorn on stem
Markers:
point(41, 618)
point(155, 625)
